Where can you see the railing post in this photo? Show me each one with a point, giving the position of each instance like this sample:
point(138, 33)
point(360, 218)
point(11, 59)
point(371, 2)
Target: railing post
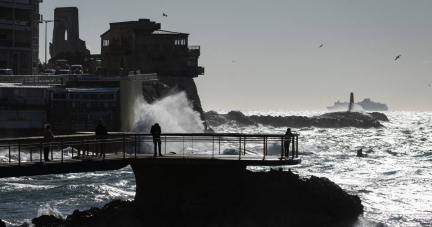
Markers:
point(165, 144)
point(124, 146)
point(9, 153)
point(116, 147)
point(135, 147)
point(103, 149)
point(293, 147)
point(213, 148)
point(183, 147)
point(244, 145)
point(240, 148)
point(264, 151)
point(139, 144)
point(31, 154)
point(219, 144)
point(192, 143)
point(82, 148)
point(282, 148)
point(61, 150)
point(266, 143)
point(19, 152)
point(40, 157)
point(296, 146)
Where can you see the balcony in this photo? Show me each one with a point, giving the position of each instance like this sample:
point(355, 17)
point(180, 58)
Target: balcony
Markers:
point(194, 51)
point(200, 70)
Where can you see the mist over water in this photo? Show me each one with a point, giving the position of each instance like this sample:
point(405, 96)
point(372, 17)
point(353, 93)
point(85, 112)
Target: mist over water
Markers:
point(174, 114)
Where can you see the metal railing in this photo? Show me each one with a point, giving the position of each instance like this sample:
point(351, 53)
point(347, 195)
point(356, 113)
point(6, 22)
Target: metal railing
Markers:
point(130, 145)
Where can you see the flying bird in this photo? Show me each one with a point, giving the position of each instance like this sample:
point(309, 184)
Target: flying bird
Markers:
point(233, 61)
point(164, 15)
point(397, 57)
point(320, 46)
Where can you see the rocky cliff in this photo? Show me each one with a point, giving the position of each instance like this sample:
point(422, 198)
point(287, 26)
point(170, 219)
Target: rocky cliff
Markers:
point(275, 198)
point(328, 120)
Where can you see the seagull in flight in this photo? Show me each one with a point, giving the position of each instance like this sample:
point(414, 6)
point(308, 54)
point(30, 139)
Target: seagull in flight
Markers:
point(321, 45)
point(397, 57)
point(233, 61)
point(164, 15)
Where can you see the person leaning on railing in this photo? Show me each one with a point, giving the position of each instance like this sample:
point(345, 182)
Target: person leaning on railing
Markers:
point(101, 132)
point(287, 141)
point(48, 136)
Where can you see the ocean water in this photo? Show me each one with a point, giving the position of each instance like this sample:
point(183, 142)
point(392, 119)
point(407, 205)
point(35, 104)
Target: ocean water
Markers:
point(394, 182)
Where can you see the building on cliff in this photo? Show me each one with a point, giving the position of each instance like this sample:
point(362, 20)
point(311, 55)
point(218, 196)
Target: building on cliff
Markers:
point(66, 32)
point(19, 35)
point(142, 46)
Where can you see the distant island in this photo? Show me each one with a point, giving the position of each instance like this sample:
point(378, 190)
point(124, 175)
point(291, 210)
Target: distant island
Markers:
point(366, 104)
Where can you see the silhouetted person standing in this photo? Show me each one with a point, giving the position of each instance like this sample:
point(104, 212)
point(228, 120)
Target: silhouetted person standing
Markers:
point(48, 136)
point(101, 132)
point(156, 131)
point(287, 141)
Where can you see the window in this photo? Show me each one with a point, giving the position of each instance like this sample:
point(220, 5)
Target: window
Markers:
point(102, 96)
point(93, 97)
point(86, 96)
point(110, 96)
point(18, 93)
point(59, 96)
point(105, 42)
point(74, 96)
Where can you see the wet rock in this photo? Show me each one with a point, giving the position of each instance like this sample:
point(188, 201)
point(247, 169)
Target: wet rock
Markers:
point(2, 224)
point(214, 119)
point(240, 118)
point(47, 221)
point(329, 120)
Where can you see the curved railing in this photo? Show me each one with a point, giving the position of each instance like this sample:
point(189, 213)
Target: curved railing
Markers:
point(132, 145)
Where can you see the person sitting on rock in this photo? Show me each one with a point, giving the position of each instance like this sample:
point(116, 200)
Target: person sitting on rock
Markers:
point(287, 141)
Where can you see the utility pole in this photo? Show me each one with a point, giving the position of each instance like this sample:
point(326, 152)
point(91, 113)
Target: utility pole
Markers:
point(46, 23)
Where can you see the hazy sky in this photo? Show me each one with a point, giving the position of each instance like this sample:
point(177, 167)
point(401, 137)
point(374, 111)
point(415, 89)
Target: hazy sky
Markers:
point(274, 44)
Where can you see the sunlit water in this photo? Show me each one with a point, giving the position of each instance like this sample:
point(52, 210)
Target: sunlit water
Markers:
point(394, 182)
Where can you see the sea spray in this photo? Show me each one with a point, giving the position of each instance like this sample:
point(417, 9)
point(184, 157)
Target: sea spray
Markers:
point(174, 114)
point(50, 209)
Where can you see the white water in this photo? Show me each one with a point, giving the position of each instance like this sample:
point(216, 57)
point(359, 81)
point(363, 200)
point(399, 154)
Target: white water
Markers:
point(173, 113)
point(394, 182)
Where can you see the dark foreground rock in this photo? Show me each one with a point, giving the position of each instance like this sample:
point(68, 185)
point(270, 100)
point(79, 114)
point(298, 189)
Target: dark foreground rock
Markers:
point(275, 198)
point(329, 120)
point(2, 224)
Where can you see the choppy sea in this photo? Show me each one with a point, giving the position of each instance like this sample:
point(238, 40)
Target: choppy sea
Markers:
point(394, 182)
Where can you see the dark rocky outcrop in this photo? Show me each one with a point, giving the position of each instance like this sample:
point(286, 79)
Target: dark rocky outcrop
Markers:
point(229, 198)
point(329, 120)
point(2, 224)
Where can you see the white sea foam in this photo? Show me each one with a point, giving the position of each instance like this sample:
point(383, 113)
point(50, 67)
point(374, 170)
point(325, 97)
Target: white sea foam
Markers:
point(50, 209)
point(173, 113)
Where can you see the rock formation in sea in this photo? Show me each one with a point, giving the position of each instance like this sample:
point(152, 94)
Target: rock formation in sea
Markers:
point(243, 198)
point(328, 120)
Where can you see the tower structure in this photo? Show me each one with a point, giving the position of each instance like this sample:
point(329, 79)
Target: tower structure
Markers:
point(66, 32)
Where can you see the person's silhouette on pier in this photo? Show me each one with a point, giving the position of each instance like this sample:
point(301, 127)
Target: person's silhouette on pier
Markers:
point(156, 131)
point(48, 136)
point(101, 132)
point(287, 141)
